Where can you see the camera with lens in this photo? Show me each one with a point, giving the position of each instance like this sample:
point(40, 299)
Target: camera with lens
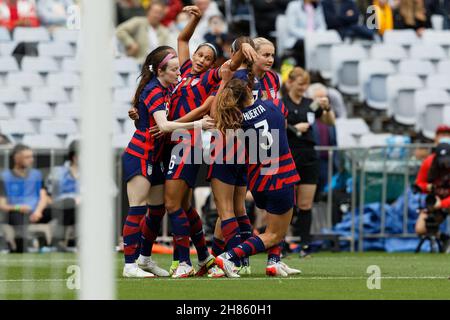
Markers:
point(431, 221)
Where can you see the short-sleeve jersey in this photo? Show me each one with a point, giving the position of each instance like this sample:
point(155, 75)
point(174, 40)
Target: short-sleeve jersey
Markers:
point(278, 170)
point(154, 97)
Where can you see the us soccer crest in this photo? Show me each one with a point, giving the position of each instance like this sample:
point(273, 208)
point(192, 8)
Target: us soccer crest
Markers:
point(149, 169)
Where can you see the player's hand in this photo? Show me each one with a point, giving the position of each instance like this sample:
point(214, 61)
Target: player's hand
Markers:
point(249, 53)
point(25, 209)
point(208, 123)
point(193, 10)
point(36, 216)
point(438, 204)
point(225, 72)
point(133, 49)
point(302, 127)
point(155, 132)
point(324, 103)
point(133, 114)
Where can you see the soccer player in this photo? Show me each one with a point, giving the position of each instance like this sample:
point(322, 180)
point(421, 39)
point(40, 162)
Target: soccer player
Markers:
point(229, 178)
point(190, 100)
point(271, 180)
point(142, 158)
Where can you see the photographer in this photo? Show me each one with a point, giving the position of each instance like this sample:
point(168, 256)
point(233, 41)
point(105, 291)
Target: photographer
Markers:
point(434, 179)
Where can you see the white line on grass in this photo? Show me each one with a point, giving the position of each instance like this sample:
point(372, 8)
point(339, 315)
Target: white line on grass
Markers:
point(241, 279)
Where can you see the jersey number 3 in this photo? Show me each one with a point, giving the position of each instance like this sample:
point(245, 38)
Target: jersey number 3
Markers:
point(265, 133)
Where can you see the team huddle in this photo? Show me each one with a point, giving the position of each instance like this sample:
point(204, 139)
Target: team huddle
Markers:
point(180, 94)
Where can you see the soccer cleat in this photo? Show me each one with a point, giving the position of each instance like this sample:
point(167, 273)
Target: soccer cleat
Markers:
point(184, 270)
point(173, 267)
point(215, 272)
point(290, 271)
point(149, 265)
point(205, 265)
point(275, 270)
point(228, 267)
point(245, 270)
point(136, 272)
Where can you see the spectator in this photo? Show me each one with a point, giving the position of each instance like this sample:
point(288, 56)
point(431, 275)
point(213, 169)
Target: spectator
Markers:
point(410, 14)
point(141, 35)
point(216, 34)
point(384, 16)
point(209, 9)
point(53, 13)
point(173, 8)
point(439, 8)
point(343, 16)
point(18, 13)
point(22, 194)
point(127, 9)
point(442, 134)
point(324, 135)
point(303, 16)
point(266, 12)
point(63, 187)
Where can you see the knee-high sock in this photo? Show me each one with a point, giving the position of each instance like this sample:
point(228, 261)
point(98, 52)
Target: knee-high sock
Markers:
point(251, 246)
point(274, 253)
point(150, 228)
point(305, 220)
point(197, 234)
point(180, 228)
point(218, 247)
point(231, 233)
point(132, 232)
point(245, 227)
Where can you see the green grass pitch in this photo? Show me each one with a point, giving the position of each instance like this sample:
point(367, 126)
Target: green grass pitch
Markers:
point(325, 276)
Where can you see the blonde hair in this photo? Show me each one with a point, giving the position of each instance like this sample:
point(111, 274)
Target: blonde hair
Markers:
point(260, 41)
point(299, 72)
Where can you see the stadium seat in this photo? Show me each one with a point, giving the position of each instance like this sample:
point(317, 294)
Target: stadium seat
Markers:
point(33, 111)
point(350, 130)
point(434, 37)
point(49, 95)
point(55, 49)
point(42, 141)
point(317, 50)
point(24, 34)
point(129, 128)
point(392, 52)
point(372, 82)
point(4, 35)
point(374, 139)
point(133, 80)
point(7, 48)
point(4, 112)
point(117, 127)
point(434, 53)
point(12, 95)
point(120, 111)
point(125, 65)
point(421, 68)
point(429, 105)
point(25, 79)
point(16, 127)
point(70, 65)
point(8, 64)
point(439, 81)
point(118, 81)
point(59, 127)
point(400, 89)
point(67, 111)
point(123, 95)
point(39, 64)
point(344, 67)
point(66, 35)
point(404, 38)
point(281, 32)
point(66, 80)
point(120, 141)
point(443, 67)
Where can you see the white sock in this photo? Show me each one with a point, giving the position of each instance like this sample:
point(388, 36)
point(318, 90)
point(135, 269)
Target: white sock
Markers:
point(130, 265)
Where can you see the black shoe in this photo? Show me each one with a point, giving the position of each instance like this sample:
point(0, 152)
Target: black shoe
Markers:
point(305, 252)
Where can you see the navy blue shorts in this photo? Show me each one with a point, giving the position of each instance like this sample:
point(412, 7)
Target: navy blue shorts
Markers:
point(232, 174)
point(134, 166)
point(275, 201)
point(183, 165)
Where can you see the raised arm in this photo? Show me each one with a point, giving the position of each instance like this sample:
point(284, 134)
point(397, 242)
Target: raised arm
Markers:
point(165, 125)
point(245, 52)
point(226, 74)
point(186, 34)
point(199, 112)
